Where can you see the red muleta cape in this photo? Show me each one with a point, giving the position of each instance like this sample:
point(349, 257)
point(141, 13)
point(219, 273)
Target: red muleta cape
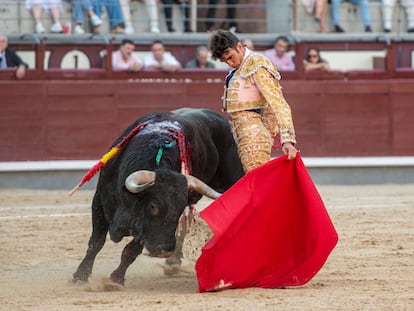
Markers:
point(271, 229)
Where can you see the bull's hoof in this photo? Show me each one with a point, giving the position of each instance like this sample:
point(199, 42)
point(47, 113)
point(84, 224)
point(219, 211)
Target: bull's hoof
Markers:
point(173, 260)
point(77, 281)
point(79, 278)
point(117, 279)
point(171, 269)
point(112, 287)
point(103, 284)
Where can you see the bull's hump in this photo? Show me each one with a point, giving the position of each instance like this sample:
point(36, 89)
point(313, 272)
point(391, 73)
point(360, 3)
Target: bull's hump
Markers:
point(161, 127)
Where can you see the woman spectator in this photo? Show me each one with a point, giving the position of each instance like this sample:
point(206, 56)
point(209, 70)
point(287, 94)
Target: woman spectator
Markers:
point(314, 62)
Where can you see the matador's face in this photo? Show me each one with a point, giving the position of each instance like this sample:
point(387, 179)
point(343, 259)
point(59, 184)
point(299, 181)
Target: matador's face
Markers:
point(234, 56)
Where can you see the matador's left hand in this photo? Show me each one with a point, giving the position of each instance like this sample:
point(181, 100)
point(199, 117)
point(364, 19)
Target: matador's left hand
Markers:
point(290, 150)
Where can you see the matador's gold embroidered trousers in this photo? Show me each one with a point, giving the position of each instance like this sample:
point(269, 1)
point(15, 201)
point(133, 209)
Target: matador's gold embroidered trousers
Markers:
point(253, 140)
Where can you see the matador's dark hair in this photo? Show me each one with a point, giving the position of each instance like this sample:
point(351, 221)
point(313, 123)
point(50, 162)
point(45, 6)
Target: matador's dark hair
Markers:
point(220, 41)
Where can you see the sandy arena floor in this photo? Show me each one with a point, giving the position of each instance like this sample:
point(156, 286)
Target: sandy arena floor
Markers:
point(44, 234)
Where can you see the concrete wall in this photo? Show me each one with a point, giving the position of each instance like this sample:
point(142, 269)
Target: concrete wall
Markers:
point(279, 16)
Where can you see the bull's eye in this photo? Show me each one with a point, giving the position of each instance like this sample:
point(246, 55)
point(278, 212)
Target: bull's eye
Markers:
point(154, 209)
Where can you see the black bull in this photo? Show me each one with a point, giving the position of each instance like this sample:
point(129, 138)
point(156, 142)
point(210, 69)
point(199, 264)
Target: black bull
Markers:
point(141, 191)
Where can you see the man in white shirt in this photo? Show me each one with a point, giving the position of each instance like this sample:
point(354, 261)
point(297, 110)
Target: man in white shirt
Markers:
point(160, 60)
point(124, 59)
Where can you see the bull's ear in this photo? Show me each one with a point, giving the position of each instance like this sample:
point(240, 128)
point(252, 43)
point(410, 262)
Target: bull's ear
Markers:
point(197, 185)
point(139, 181)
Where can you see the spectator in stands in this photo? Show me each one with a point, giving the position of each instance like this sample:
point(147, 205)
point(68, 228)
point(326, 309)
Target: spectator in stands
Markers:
point(126, 13)
point(158, 59)
point(168, 8)
point(318, 9)
point(124, 58)
point(152, 11)
point(230, 17)
point(388, 10)
point(363, 8)
point(201, 59)
point(79, 7)
point(248, 44)
point(9, 59)
point(313, 61)
point(279, 55)
point(114, 12)
point(53, 6)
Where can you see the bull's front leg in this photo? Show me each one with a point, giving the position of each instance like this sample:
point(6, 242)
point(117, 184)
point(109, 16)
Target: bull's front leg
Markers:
point(129, 254)
point(174, 261)
point(95, 244)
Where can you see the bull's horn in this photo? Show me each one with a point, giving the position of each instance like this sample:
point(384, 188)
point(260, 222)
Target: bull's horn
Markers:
point(197, 185)
point(139, 181)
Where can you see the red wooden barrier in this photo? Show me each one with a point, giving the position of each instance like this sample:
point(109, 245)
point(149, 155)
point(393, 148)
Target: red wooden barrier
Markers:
point(79, 119)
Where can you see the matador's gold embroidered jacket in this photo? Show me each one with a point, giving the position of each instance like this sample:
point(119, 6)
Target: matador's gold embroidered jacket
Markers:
point(255, 84)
